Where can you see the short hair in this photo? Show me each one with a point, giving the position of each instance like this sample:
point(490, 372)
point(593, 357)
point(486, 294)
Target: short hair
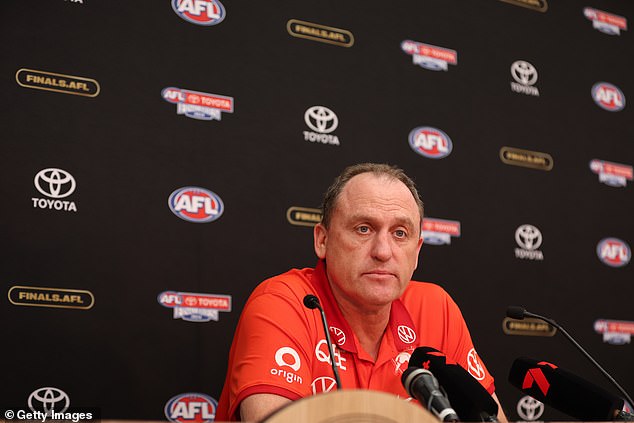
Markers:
point(379, 169)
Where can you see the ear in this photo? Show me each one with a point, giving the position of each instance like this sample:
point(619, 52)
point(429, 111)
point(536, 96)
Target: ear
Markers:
point(320, 235)
point(420, 244)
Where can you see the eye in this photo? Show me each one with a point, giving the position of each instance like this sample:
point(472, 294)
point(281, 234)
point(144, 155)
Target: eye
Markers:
point(400, 233)
point(363, 229)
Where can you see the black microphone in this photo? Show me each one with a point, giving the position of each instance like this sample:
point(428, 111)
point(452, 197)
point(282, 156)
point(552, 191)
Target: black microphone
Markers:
point(422, 385)
point(517, 312)
point(312, 302)
point(564, 391)
point(468, 397)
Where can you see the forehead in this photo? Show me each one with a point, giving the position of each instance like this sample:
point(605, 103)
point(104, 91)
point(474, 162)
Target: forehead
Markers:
point(368, 193)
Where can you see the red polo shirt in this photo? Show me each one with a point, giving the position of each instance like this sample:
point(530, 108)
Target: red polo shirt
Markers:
point(279, 346)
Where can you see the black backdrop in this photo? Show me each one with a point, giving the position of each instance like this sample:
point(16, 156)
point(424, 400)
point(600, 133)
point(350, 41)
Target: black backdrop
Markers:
point(128, 150)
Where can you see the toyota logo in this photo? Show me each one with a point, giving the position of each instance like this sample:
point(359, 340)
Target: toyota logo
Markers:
point(48, 400)
point(523, 72)
point(528, 237)
point(529, 409)
point(321, 119)
point(54, 183)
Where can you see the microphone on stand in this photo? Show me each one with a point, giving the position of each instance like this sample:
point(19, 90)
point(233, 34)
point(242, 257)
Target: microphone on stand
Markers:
point(312, 302)
point(422, 385)
point(517, 312)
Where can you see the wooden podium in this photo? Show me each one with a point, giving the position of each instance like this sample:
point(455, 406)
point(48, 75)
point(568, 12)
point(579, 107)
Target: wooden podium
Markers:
point(351, 406)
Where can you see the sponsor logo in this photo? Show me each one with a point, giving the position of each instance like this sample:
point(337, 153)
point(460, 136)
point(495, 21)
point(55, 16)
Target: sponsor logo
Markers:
point(191, 407)
point(525, 76)
point(406, 334)
point(615, 332)
point(614, 252)
point(200, 12)
point(197, 105)
point(607, 96)
point(430, 142)
point(303, 216)
point(323, 354)
point(76, 1)
point(287, 357)
point(529, 238)
point(430, 57)
point(194, 204)
point(525, 158)
point(57, 82)
point(195, 307)
point(612, 174)
point(338, 335)
point(605, 22)
point(322, 121)
point(48, 400)
point(537, 5)
point(321, 33)
point(527, 327)
point(536, 376)
point(323, 384)
point(473, 363)
point(51, 297)
point(529, 409)
point(440, 231)
point(401, 361)
point(55, 184)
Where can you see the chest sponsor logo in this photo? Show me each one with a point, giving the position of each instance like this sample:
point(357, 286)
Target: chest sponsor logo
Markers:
point(614, 252)
point(605, 22)
point(529, 239)
point(195, 204)
point(51, 297)
point(197, 105)
point(473, 363)
point(48, 400)
point(525, 76)
point(440, 231)
point(321, 33)
point(191, 407)
point(323, 122)
point(323, 384)
point(200, 12)
point(401, 361)
point(57, 82)
point(612, 174)
point(322, 354)
point(195, 307)
point(338, 335)
point(287, 357)
point(303, 216)
point(529, 409)
point(55, 184)
point(429, 56)
point(430, 142)
point(607, 96)
point(615, 332)
point(406, 334)
point(536, 5)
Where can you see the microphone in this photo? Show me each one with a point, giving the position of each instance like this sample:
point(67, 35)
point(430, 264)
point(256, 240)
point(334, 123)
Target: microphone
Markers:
point(564, 391)
point(312, 302)
point(517, 312)
point(422, 385)
point(471, 401)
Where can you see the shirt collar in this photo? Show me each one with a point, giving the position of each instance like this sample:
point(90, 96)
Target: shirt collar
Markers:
point(401, 324)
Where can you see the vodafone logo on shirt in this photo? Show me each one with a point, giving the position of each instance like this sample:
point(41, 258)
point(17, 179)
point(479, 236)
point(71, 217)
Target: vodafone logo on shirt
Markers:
point(287, 357)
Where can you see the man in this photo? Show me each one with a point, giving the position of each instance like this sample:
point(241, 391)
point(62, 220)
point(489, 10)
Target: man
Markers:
point(368, 244)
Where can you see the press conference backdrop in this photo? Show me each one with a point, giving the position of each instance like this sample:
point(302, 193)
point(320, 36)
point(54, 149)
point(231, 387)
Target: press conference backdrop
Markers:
point(161, 158)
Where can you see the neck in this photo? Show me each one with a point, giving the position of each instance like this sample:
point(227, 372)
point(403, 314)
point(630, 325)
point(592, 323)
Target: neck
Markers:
point(368, 325)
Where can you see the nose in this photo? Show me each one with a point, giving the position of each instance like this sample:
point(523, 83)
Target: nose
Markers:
point(381, 246)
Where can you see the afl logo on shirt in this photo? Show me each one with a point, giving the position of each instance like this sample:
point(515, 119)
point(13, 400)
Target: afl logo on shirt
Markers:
point(287, 357)
point(475, 368)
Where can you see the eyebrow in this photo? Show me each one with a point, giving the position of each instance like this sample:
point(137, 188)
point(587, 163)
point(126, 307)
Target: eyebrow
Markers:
point(400, 221)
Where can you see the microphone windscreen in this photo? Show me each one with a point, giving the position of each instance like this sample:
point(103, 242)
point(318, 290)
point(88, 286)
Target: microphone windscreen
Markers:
point(311, 301)
point(515, 312)
point(563, 390)
point(467, 396)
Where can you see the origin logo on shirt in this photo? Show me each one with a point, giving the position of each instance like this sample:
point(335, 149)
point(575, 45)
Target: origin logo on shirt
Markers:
point(200, 12)
point(191, 407)
point(287, 357)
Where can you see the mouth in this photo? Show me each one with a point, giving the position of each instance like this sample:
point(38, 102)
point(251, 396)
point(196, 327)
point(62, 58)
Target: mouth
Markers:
point(380, 274)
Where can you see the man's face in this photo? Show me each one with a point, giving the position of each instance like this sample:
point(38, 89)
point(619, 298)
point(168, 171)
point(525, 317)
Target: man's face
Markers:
point(371, 246)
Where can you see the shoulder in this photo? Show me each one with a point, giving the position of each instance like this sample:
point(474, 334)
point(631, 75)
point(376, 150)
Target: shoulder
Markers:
point(419, 290)
point(293, 284)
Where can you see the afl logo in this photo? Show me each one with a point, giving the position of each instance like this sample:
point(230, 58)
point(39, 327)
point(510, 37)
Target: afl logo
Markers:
point(614, 252)
point(430, 142)
point(195, 204)
point(608, 97)
point(191, 408)
point(200, 12)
